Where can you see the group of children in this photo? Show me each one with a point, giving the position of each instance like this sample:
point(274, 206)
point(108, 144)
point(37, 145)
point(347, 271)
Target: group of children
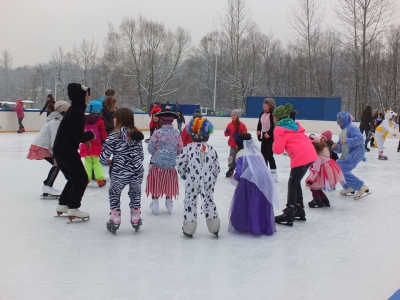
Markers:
point(195, 161)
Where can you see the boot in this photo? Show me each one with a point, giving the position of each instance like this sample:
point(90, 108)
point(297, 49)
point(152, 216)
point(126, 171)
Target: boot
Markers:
point(101, 183)
point(360, 192)
point(115, 220)
point(154, 206)
point(326, 202)
point(316, 203)
point(169, 204)
point(371, 144)
point(76, 213)
point(213, 225)
point(61, 209)
point(287, 217)
point(382, 156)
point(229, 173)
point(189, 228)
point(366, 148)
point(300, 212)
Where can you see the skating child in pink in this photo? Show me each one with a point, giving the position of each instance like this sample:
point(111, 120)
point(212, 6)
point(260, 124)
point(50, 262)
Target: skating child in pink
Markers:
point(325, 173)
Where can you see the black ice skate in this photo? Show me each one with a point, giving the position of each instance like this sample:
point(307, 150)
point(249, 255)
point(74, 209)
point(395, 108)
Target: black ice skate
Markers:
point(287, 217)
point(316, 203)
point(300, 212)
point(229, 173)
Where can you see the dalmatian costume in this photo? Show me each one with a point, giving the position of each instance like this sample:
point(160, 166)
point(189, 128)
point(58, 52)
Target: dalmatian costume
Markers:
point(198, 164)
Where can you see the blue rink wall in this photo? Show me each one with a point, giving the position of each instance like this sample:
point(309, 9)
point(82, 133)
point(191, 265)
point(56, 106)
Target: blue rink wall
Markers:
point(308, 108)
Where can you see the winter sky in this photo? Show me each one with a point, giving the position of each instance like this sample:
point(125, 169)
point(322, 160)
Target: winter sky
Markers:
point(31, 30)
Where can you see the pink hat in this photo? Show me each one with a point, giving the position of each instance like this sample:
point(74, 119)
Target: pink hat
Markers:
point(327, 134)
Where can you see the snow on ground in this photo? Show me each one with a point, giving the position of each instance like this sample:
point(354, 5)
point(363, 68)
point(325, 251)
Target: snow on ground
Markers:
point(347, 251)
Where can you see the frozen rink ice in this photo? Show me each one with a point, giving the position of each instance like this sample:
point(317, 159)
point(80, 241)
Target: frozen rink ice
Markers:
point(347, 251)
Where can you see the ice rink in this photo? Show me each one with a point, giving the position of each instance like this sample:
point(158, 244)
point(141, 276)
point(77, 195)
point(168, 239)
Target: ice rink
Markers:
point(348, 251)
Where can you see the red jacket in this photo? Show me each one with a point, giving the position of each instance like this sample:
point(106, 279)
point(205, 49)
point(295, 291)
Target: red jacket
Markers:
point(298, 146)
point(230, 131)
point(20, 110)
point(186, 138)
point(96, 147)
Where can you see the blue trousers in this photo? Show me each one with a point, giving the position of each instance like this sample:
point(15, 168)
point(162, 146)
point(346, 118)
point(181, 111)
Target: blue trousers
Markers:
point(351, 180)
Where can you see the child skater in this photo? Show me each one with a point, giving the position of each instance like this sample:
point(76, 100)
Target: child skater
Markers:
point(164, 146)
point(42, 145)
point(233, 127)
point(70, 134)
point(290, 136)
point(19, 109)
point(198, 165)
point(326, 137)
point(325, 173)
point(126, 147)
point(383, 130)
point(185, 136)
point(256, 195)
point(91, 150)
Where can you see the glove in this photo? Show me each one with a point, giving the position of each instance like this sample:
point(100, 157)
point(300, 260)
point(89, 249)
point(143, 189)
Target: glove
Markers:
point(259, 138)
point(227, 131)
point(183, 177)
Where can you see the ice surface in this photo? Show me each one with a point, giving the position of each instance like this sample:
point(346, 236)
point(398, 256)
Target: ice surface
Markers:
point(347, 251)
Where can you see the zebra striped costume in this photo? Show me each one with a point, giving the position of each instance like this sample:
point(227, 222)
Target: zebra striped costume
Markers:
point(128, 158)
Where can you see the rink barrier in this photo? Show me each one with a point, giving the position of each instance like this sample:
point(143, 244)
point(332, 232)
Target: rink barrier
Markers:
point(33, 122)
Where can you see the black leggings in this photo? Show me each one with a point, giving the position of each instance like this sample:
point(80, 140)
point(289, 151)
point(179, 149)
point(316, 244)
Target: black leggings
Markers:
point(266, 151)
point(52, 173)
point(295, 193)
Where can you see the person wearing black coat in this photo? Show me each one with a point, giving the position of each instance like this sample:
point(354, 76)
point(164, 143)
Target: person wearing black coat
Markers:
point(70, 134)
point(365, 124)
point(265, 134)
point(49, 100)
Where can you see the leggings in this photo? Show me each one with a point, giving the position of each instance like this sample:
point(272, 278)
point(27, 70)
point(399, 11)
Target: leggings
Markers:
point(51, 177)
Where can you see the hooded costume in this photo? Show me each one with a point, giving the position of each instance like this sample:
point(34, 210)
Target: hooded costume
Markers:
point(70, 134)
point(384, 129)
point(352, 152)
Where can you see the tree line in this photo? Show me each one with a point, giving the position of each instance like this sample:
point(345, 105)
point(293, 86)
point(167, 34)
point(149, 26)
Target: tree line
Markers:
point(144, 61)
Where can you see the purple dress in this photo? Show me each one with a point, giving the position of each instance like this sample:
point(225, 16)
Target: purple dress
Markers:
point(252, 207)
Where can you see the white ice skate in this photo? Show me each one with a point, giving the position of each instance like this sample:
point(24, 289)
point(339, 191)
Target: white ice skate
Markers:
point(169, 205)
point(364, 191)
point(154, 206)
point(76, 213)
point(382, 156)
point(61, 209)
point(347, 191)
point(189, 228)
point(213, 225)
point(49, 191)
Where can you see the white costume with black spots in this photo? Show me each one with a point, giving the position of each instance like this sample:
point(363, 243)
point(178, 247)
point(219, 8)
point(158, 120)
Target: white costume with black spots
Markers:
point(198, 162)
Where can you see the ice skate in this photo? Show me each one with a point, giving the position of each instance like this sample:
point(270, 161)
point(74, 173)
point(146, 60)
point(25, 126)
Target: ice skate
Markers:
point(287, 217)
point(61, 209)
point(229, 173)
point(49, 191)
point(189, 228)
point(76, 213)
point(169, 205)
point(366, 148)
point(347, 191)
point(364, 191)
point(23, 129)
point(115, 221)
point(136, 221)
point(101, 183)
point(382, 156)
point(326, 202)
point(300, 214)
point(274, 175)
point(316, 203)
point(154, 206)
point(213, 225)
point(146, 141)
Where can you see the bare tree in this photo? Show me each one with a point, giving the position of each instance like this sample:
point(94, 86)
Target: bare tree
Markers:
point(6, 67)
point(85, 56)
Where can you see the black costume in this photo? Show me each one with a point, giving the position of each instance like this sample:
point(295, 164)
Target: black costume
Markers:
point(69, 135)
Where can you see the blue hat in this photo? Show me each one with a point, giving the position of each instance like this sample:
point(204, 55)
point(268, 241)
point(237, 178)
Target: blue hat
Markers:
point(94, 107)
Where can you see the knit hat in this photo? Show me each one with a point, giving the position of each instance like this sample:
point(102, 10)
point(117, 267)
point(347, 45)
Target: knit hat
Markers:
point(77, 93)
point(237, 112)
point(61, 106)
point(167, 116)
point(200, 129)
point(94, 107)
point(283, 111)
point(271, 102)
point(197, 114)
point(327, 134)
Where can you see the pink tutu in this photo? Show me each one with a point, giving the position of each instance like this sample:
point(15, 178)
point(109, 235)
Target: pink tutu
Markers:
point(38, 153)
point(329, 175)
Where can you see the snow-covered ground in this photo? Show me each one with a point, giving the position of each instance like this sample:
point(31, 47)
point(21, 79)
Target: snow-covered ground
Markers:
point(347, 251)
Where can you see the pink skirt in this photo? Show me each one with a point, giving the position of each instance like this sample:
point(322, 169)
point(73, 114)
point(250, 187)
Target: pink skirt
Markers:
point(38, 153)
point(329, 175)
point(162, 182)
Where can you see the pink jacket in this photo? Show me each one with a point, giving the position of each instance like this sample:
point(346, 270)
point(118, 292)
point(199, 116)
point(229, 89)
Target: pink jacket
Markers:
point(298, 146)
point(19, 109)
point(322, 159)
point(230, 131)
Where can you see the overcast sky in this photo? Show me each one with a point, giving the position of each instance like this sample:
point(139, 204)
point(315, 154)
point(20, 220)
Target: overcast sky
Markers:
point(31, 29)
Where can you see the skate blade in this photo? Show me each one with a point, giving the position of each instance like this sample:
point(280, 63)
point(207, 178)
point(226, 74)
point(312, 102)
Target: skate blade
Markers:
point(290, 224)
point(61, 215)
point(363, 195)
point(137, 225)
point(49, 197)
point(71, 218)
point(298, 219)
point(188, 235)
